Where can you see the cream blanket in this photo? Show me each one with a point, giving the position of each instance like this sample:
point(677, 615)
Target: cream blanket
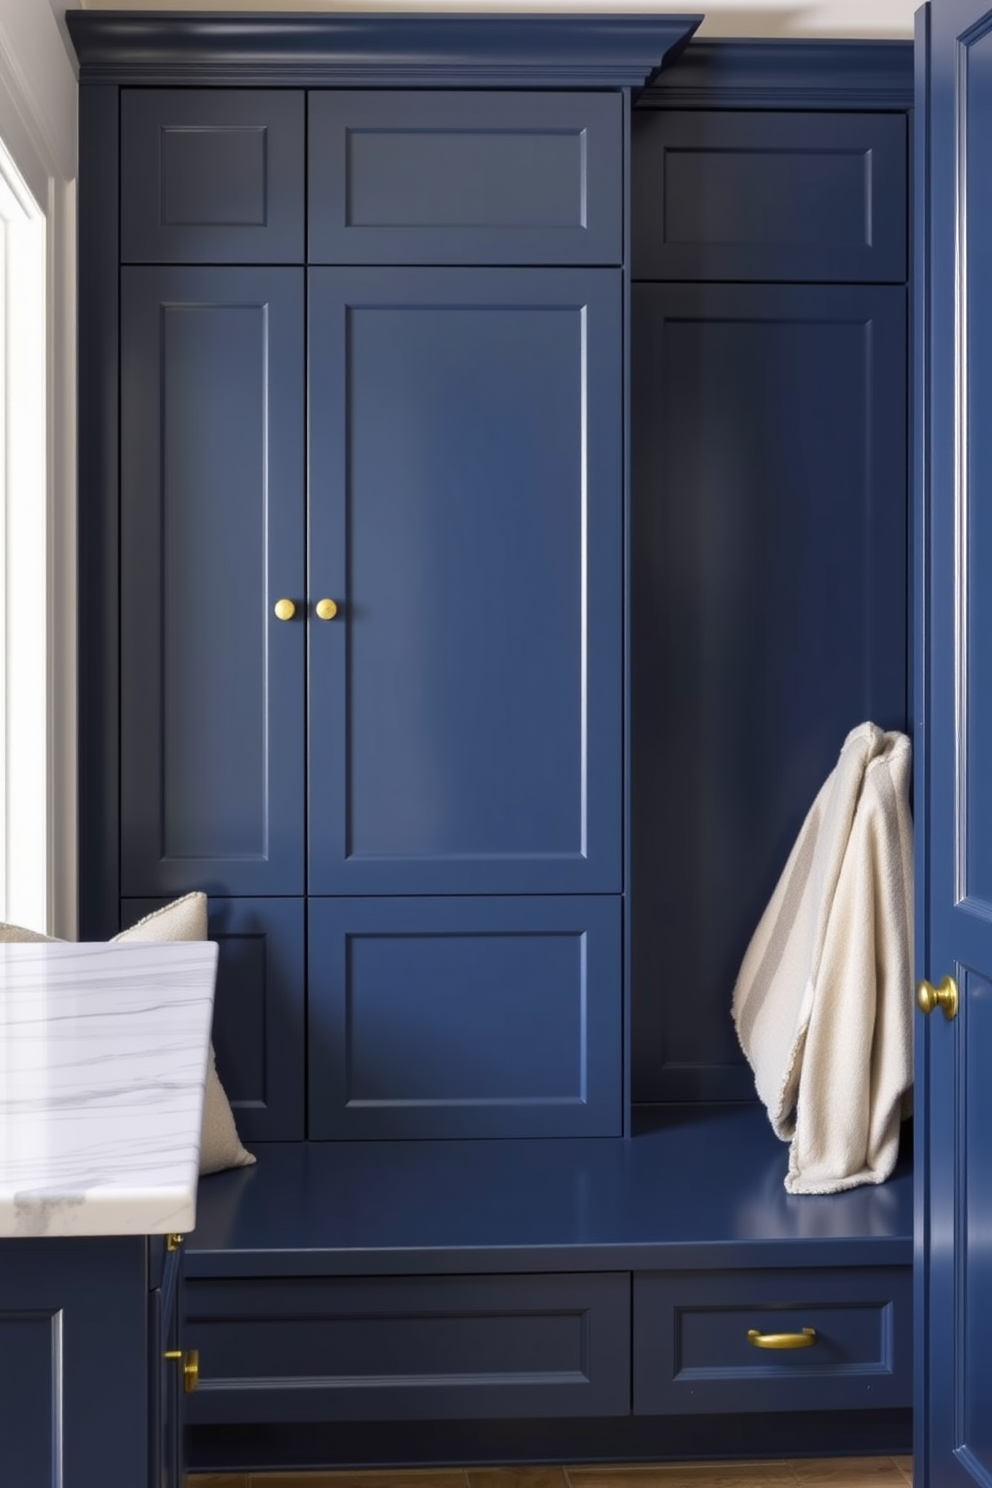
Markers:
point(823, 1004)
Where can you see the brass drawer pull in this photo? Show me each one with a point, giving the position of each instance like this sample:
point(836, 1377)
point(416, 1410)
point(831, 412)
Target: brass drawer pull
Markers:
point(805, 1339)
point(190, 1364)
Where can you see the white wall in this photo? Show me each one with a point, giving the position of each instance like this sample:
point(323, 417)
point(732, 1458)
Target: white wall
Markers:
point(799, 18)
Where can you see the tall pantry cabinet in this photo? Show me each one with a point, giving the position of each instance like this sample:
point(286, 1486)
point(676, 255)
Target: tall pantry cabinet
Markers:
point(372, 469)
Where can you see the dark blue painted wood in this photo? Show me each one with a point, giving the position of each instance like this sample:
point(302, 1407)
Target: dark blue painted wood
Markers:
point(630, 1439)
point(787, 74)
point(258, 1028)
point(465, 514)
point(955, 462)
point(212, 177)
point(464, 1017)
point(97, 522)
point(776, 196)
point(465, 178)
point(212, 523)
point(697, 1187)
point(393, 51)
point(167, 1418)
point(692, 1353)
point(411, 1348)
point(74, 1343)
point(769, 616)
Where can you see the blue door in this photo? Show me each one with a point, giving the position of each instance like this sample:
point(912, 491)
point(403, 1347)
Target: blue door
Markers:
point(954, 764)
point(466, 468)
point(212, 524)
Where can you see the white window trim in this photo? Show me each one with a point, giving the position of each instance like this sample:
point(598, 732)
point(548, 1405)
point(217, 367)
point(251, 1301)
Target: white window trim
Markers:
point(46, 162)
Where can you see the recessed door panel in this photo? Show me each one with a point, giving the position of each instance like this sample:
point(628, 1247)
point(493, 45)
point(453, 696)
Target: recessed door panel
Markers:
point(465, 1017)
point(212, 535)
point(465, 517)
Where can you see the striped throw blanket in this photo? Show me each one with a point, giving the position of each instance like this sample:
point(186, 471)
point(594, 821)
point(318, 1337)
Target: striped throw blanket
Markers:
point(823, 1005)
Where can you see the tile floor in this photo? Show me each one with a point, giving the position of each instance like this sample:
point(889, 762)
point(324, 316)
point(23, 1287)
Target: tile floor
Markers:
point(823, 1472)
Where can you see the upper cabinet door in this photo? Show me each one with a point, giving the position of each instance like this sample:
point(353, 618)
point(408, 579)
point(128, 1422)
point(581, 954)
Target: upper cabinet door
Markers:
point(724, 195)
point(954, 781)
point(212, 176)
point(212, 535)
point(466, 467)
point(466, 178)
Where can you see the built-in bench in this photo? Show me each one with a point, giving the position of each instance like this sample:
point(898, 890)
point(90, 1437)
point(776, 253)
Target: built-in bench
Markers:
point(390, 1302)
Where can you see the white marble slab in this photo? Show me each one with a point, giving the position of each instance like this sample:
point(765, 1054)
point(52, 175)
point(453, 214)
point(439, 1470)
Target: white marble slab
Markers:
point(103, 1061)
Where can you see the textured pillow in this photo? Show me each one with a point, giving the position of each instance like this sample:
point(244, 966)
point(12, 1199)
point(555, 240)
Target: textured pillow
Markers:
point(220, 1145)
point(183, 919)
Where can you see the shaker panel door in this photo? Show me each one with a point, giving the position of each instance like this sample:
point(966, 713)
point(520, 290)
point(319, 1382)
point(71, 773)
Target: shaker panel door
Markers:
point(465, 517)
point(212, 534)
point(465, 1016)
point(953, 1102)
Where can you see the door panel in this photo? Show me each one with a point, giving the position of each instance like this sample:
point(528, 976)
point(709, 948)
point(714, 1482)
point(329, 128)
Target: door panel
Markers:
point(212, 533)
point(954, 783)
point(465, 1017)
point(465, 515)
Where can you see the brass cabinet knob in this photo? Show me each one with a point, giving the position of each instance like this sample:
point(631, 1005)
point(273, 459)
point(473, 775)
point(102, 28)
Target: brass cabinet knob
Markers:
point(191, 1366)
point(284, 609)
point(945, 996)
point(805, 1339)
point(325, 609)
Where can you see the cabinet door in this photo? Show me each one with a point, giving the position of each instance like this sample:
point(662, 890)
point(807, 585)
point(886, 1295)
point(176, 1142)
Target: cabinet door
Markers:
point(953, 1102)
point(769, 570)
point(465, 1017)
point(74, 1344)
point(212, 534)
point(465, 514)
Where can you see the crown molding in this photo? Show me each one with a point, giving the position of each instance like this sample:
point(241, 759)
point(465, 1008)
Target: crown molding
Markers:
point(377, 50)
point(847, 74)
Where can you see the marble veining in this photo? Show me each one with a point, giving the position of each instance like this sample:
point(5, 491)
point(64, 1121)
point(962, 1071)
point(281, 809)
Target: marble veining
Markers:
point(103, 1061)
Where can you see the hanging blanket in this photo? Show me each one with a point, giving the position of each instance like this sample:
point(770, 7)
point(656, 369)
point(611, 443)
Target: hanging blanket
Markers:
point(823, 1004)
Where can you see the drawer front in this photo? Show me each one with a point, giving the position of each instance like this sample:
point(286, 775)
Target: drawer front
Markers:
point(772, 196)
point(212, 176)
point(692, 1352)
point(467, 178)
point(407, 1348)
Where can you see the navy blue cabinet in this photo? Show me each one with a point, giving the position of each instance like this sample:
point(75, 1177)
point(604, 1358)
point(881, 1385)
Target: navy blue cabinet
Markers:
point(212, 176)
point(426, 516)
point(465, 465)
point(466, 178)
point(212, 537)
point(76, 1363)
point(465, 1016)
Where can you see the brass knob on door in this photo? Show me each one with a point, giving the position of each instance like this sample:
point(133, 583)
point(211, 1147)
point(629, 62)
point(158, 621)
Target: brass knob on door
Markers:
point(805, 1339)
point(325, 609)
point(191, 1366)
point(284, 609)
point(945, 996)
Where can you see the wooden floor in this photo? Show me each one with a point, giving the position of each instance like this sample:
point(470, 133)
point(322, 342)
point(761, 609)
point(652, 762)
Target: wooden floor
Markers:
point(822, 1472)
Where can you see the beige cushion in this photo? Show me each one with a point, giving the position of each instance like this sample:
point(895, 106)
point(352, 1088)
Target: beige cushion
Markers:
point(183, 919)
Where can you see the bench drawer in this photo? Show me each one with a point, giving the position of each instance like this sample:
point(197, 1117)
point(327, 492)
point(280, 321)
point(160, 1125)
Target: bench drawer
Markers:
point(409, 1348)
point(692, 1352)
point(465, 178)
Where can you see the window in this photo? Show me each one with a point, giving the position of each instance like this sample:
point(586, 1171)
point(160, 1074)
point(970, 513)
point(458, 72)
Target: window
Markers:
point(24, 672)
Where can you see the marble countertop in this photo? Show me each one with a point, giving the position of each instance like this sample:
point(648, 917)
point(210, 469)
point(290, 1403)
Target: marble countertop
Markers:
point(103, 1061)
